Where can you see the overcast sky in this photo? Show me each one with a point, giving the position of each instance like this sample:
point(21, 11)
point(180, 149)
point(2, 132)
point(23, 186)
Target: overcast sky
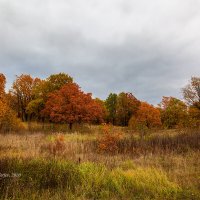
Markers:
point(149, 48)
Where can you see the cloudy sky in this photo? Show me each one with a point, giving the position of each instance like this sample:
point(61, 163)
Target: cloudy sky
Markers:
point(149, 48)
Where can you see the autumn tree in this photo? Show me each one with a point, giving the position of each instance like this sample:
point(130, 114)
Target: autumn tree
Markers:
point(147, 116)
point(173, 112)
point(2, 85)
point(111, 106)
point(8, 119)
point(12, 101)
point(127, 106)
point(71, 105)
point(52, 83)
point(22, 89)
point(56, 81)
point(34, 108)
point(191, 94)
point(42, 90)
point(102, 106)
point(193, 117)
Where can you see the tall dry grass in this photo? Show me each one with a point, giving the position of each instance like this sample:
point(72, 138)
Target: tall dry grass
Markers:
point(174, 153)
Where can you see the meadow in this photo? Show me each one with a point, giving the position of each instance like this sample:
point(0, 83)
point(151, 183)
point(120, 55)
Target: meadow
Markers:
point(99, 162)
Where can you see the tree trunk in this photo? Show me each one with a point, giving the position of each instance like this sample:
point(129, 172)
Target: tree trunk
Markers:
point(70, 126)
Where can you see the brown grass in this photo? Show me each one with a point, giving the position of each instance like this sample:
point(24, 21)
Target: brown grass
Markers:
point(174, 152)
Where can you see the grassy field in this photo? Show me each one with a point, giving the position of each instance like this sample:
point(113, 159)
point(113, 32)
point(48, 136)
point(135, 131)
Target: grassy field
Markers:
point(47, 164)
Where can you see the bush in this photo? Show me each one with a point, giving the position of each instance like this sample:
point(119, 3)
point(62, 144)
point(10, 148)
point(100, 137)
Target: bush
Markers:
point(108, 142)
point(8, 119)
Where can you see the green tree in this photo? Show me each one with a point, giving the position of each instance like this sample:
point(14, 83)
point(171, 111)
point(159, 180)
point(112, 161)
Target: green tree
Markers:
point(57, 81)
point(127, 106)
point(111, 106)
point(173, 112)
point(34, 108)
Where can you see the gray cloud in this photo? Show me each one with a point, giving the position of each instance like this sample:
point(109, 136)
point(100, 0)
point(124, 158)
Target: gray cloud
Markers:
point(148, 48)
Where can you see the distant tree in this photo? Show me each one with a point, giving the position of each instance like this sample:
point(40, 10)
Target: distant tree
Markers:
point(34, 108)
point(147, 116)
point(2, 85)
point(52, 83)
point(173, 112)
point(8, 119)
point(55, 82)
point(194, 116)
point(12, 101)
point(127, 106)
point(22, 89)
point(111, 106)
point(42, 90)
point(71, 105)
point(104, 111)
point(191, 92)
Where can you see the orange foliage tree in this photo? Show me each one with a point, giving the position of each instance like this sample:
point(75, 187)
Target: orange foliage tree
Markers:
point(8, 119)
point(22, 89)
point(71, 105)
point(147, 115)
point(101, 104)
point(41, 92)
point(2, 85)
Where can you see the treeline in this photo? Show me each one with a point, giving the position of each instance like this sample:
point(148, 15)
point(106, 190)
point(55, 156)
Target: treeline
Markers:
point(58, 99)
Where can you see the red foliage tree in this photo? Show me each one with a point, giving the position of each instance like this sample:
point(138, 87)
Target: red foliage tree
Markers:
point(71, 105)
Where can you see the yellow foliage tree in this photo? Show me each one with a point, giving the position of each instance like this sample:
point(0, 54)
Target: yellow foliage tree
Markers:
point(8, 119)
point(2, 86)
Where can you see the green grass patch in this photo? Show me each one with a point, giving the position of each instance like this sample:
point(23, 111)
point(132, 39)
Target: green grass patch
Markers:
point(62, 179)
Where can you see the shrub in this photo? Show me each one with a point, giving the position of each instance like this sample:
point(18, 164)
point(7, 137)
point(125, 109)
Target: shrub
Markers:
point(109, 140)
point(8, 119)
